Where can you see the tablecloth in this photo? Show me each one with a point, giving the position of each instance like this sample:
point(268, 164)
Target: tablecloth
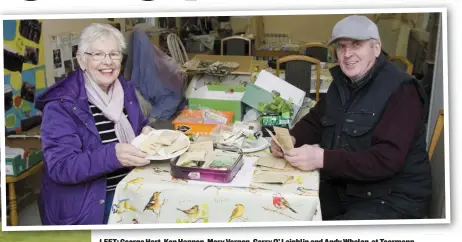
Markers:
point(149, 195)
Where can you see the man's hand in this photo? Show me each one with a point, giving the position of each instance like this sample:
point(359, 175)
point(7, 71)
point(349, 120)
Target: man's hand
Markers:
point(276, 150)
point(147, 129)
point(306, 158)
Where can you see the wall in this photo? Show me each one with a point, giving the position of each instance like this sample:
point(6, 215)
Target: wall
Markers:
point(437, 95)
point(313, 28)
point(305, 28)
point(54, 27)
point(24, 69)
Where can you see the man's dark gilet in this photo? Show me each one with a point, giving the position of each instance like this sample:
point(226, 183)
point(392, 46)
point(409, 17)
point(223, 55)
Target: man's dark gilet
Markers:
point(349, 125)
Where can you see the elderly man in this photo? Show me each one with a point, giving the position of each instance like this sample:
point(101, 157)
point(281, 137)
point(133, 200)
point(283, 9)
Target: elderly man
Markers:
point(371, 131)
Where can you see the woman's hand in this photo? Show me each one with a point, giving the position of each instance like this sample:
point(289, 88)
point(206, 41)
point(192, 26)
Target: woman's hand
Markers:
point(130, 156)
point(147, 129)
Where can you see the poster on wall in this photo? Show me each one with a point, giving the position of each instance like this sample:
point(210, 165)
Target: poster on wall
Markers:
point(24, 73)
point(64, 49)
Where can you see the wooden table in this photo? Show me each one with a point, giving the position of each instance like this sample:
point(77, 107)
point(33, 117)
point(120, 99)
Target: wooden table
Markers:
point(274, 54)
point(11, 180)
point(192, 55)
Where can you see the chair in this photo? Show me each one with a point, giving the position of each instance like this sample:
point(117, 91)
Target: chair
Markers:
point(437, 208)
point(318, 50)
point(439, 125)
point(236, 45)
point(402, 63)
point(11, 182)
point(298, 72)
point(177, 49)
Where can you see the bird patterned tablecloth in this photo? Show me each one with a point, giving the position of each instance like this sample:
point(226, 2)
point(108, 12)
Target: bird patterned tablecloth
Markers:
point(150, 195)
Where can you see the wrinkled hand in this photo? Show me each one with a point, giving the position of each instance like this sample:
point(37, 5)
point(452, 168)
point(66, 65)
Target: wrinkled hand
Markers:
point(276, 150)
point(306, 158)
point(130, 156)
point(147, 129)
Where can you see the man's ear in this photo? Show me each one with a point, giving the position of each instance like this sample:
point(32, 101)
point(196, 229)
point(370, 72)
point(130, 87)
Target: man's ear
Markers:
point(377, 48)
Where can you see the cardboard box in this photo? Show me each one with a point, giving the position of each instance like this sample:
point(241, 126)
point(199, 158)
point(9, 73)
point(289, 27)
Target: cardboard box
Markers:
point(17, 164)
point(234, 106)
point(262, 92)
point(191, 127)
point(28, 150)
point(28, 139)
point(205, 91)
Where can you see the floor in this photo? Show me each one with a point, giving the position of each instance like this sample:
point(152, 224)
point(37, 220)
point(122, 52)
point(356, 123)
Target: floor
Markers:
point(30, 215)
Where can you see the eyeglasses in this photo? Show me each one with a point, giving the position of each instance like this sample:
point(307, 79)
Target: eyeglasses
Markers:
point(99, 56)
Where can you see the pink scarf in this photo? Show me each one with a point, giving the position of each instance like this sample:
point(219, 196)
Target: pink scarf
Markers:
point(111, 104)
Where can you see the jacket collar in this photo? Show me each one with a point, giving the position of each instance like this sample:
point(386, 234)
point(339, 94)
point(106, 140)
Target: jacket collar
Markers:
point(72, 93)
point(72, 89)
point(340, 78)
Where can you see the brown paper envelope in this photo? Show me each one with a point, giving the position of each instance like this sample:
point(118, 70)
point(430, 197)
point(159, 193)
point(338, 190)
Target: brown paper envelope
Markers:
point(290, 168)
point(179, 144)
point(287, 168)
point(189, 156)
point(167, 138)
point(276, 140)
point(150, 147)
point(204, 138)
point(220, 155)
point(206, 146)
point(270, 177)
point(283, 136)
point(272, 162)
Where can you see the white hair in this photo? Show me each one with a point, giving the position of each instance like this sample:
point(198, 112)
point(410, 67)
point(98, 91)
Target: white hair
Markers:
point(97, 31)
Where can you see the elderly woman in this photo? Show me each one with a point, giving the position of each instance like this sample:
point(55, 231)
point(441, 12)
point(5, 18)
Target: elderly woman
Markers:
point(89, 121)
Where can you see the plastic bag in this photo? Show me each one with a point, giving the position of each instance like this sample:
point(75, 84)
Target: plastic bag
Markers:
point(213, 117)
point(157, 76)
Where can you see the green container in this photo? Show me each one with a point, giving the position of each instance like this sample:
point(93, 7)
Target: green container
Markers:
point(224, 88)
point(269, 120)
point(17, 165)
point(237, 107)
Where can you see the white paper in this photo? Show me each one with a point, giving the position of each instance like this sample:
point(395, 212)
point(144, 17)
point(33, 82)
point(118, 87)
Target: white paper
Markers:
point(64, 54)
point(270, 82)
point(9, 170)
point(242, 179)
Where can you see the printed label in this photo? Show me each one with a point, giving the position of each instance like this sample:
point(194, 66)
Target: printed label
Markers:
point(9, 170)
point(194, 175)
point(183, 128)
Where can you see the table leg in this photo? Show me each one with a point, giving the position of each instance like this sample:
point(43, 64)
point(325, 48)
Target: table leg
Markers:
point(13, 205)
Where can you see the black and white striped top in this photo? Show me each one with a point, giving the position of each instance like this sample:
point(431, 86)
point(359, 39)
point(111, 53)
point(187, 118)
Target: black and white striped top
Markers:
point(107, 133)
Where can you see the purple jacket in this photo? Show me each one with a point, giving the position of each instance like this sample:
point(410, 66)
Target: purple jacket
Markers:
point(73, 188)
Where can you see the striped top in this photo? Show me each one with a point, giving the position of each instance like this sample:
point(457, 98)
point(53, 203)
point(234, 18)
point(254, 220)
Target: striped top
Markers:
point(107, 133)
